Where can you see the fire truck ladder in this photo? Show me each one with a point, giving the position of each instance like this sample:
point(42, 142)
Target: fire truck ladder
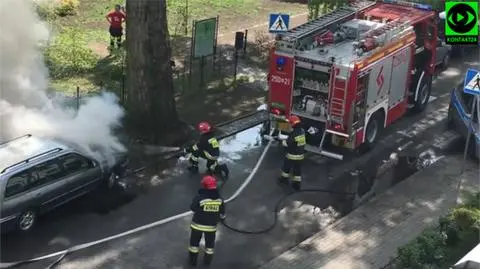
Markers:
point(337, 113)
point(328, 19)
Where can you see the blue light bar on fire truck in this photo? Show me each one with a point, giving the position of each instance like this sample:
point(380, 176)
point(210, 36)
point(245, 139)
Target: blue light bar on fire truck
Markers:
point(410, 4)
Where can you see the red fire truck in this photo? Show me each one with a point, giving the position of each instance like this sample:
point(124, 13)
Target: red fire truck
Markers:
point(353, 72)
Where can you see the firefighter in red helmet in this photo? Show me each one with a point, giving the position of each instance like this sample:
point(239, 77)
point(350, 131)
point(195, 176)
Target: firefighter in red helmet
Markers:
point(207, 148)
point(295, 147)
point(208, 209)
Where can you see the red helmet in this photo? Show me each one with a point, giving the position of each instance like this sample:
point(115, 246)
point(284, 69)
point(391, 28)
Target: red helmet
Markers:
point(293, 120)
point(204, 127)
point(209, 182)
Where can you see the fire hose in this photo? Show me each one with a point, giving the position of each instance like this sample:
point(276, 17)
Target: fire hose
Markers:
point(279, 204)
point(63, 253)
point(277, 210)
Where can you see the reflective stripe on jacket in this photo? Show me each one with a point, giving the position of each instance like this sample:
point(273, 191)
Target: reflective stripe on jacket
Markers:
point(295, 144)
point(208, 208)
point(208, 144)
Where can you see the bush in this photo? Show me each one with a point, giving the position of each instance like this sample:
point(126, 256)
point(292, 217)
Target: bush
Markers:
point(68, 54)
point(66, 7)
point(45, 9)
point(458, 233)
point(425, 252)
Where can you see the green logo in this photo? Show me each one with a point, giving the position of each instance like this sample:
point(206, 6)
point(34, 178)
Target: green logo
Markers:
point(461, 22)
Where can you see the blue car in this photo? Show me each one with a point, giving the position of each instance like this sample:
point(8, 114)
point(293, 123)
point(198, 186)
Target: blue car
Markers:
point(459, 118)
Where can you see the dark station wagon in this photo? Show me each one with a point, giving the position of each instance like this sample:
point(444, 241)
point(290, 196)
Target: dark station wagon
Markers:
point(39, 174)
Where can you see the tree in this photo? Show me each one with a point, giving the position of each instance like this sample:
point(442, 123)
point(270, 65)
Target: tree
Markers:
point(326, 5)
point(151, 106)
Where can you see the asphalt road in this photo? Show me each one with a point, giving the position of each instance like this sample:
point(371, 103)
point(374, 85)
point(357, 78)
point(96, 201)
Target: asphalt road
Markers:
point(169, 193)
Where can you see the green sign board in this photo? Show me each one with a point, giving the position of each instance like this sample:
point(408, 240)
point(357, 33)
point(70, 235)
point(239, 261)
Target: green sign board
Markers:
point(204, 37)
point(461, 22)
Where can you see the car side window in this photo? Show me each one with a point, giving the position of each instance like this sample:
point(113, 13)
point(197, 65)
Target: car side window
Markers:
point(48, 171)
point(74, 163)
point(19, 183)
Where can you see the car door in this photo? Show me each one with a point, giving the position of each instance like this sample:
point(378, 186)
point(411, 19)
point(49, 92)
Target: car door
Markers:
point(52, 185)
point(17, 198)
point(465, 110)
point(83, 174)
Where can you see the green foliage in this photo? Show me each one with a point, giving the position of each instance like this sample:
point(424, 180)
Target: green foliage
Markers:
point(68, 54)
point(458, 233)
point(424, 252)
point(180, 17)
point(45, 10)
point(66, 7)
point(49, 10)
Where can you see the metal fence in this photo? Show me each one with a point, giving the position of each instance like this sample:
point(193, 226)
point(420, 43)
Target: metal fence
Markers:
point(192, 75)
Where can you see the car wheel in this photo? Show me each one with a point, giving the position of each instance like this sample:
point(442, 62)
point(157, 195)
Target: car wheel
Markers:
point(110, 182)
point(423, 95)
point(27, 220)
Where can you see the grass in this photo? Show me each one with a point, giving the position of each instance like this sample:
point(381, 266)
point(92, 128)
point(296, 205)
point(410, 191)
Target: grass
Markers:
point(90, 24)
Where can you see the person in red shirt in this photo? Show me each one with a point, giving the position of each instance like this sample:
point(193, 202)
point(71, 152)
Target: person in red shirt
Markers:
point(116, 18)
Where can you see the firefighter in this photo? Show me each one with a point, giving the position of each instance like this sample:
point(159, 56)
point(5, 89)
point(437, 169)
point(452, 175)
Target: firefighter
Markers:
point(207, 148)
point(295, 147)
point(208, 208)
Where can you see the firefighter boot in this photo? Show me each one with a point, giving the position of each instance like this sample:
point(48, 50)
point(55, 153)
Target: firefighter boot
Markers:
point(207, 259)
point(296, 185)
point(222, 170)
point(192, 258)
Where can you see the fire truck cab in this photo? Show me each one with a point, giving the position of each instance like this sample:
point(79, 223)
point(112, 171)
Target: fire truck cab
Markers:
point(353, 72)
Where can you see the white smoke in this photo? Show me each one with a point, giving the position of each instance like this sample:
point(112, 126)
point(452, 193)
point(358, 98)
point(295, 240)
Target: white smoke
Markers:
point(25, 106)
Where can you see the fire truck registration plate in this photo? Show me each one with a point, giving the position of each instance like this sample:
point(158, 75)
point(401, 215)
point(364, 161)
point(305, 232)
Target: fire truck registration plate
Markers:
point(283, 126)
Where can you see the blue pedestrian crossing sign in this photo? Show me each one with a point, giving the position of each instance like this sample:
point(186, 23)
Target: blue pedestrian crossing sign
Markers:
point(278, 23)
point(472, 82)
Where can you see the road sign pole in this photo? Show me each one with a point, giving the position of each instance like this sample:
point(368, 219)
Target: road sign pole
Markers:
point(192, 55)
point(235, 67)
point(215, 44)
point(245, 43)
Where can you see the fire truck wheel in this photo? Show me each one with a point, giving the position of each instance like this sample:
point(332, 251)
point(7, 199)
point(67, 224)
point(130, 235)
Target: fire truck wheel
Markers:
point(423, 95)
point(374, 130)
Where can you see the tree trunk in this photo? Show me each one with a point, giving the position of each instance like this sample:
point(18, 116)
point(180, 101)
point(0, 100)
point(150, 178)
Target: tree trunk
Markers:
point(151, 106)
